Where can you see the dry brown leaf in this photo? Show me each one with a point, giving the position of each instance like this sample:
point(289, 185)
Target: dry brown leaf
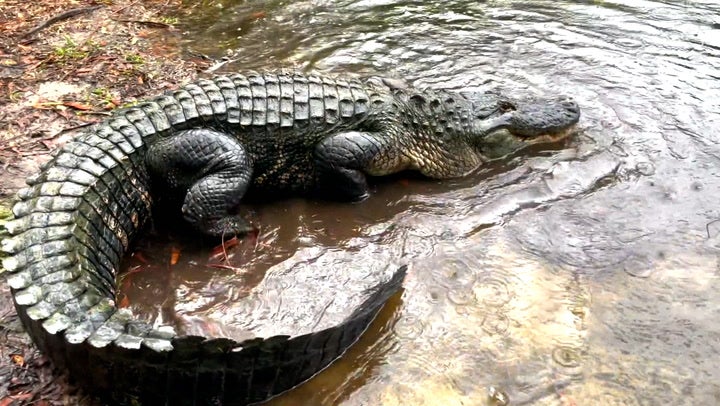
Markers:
point(77, 105)
point(18, 360)
point(124, 302)
point(174, 255)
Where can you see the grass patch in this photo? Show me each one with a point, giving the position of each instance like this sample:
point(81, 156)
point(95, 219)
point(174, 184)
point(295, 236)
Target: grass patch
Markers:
point(134, 58)
point(169, 20)
point(70, 50)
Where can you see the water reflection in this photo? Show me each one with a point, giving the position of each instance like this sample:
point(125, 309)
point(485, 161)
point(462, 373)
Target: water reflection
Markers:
point(583, 275)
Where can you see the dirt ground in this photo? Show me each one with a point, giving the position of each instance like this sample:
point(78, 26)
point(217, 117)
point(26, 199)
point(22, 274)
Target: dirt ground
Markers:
point(64, 65)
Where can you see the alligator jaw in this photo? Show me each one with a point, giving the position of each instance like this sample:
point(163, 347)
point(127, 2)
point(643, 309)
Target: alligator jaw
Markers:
point(549, 137)
point(498, 140)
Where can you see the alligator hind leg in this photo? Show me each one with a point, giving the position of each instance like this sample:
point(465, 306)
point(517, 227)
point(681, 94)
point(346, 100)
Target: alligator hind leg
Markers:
point(213, 172)
point(344, 160)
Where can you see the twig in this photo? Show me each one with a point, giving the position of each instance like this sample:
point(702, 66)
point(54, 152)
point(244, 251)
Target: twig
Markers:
point(75, 127)
point(219, 65)
point(151, 24)
point(126, 6)
point(222, 242)
point(707, 227)
point(60, 17)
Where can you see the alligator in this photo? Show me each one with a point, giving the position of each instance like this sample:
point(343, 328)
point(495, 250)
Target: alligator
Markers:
point(201, 149)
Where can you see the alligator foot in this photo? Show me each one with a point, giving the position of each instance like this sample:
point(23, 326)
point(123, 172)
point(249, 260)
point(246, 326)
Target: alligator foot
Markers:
point(344, 159)
point(212, 169)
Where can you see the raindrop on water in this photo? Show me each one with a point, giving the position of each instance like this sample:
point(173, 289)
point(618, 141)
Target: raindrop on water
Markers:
point(409, 327)
point(497, 397)
point(566, 356)
point(496, 323)
point(493, 292)
point(645, 168)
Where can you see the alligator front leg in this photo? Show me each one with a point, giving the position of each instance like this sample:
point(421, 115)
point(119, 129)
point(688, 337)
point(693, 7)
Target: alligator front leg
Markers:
point(213, 172)
point(344, 160)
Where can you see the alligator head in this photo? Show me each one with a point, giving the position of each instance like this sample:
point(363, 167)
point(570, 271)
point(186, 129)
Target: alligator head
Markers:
point(503, 126)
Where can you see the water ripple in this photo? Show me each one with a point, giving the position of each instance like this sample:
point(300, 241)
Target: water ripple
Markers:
point(504, 262)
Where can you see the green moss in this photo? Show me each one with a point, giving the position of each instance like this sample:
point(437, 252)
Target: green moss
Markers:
point(135, 59)
point(169, 20)
point(101, 94)
point(70, 50)
point(129, 104)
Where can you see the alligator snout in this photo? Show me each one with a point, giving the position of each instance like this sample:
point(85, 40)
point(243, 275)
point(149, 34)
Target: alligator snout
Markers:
point(571, 108)
point(546, 117)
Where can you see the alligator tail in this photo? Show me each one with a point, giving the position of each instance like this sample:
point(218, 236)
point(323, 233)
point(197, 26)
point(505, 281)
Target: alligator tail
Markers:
point(72, 227)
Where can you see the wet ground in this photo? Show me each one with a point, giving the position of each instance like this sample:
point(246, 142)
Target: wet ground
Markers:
point(581, 274)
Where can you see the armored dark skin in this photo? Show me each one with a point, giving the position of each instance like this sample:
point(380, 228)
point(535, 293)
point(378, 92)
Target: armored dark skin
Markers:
point(203, 148)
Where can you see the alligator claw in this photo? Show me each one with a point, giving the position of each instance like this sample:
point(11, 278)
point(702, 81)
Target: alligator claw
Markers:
point(229, 227)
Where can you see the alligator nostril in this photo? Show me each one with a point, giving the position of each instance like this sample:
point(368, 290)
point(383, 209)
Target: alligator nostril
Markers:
point(571, 106)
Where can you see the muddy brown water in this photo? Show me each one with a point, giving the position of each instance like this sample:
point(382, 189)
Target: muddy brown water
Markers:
point(582, 273)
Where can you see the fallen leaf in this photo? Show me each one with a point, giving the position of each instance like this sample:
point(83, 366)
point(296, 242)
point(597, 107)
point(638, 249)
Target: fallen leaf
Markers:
point(18, 360)
point(124, 302)
point(77, 105)
point(174, 255)
point(45, 105)
point(140, 257)
point(221, 250)
point(225, 267)
point(21, 396)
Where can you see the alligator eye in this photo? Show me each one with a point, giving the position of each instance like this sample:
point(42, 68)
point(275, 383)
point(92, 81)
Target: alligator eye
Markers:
point(418, 99)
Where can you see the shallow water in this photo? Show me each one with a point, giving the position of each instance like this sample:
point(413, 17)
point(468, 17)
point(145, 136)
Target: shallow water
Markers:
point(585, 273)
